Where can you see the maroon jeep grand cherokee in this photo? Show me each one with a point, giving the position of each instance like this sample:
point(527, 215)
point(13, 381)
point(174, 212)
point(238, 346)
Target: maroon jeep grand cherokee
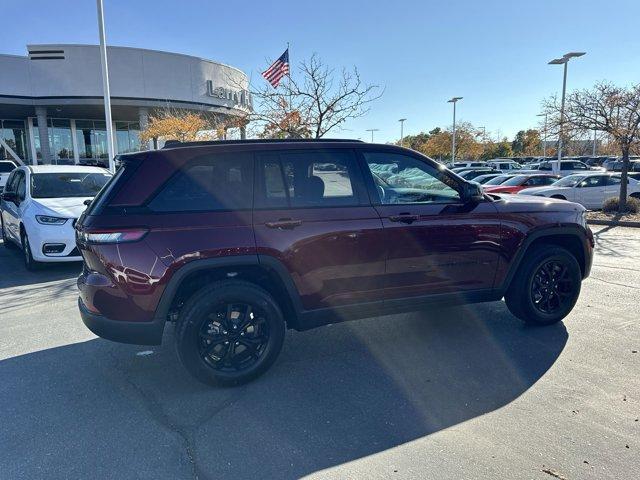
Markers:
point(237, 241)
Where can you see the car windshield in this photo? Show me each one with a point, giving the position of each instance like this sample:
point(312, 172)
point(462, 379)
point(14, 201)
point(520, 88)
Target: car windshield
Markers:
point(498, 180)
point(67, 184)
point(570, 181)
point(514, 181)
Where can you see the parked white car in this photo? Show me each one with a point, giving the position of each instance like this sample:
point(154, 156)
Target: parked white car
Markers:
point(567, 167)
point(504, 165)
point(39, 208)
point(589, 189)
point(6, 167)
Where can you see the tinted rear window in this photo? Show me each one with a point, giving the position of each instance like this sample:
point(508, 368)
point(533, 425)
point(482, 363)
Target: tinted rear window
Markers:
point(209, 183)
point(69, 184)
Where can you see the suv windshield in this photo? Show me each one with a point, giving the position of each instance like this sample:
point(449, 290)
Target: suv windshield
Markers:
point(570, 181)
point(68, 184)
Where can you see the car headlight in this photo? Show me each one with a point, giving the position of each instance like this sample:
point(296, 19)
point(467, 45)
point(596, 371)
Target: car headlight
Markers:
point(48, 220)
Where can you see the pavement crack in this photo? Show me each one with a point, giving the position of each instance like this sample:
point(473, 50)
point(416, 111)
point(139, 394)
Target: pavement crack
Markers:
point(157, 413)
point(614, 283)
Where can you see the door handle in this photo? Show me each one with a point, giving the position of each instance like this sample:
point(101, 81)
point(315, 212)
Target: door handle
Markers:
point(284, 224)
point(404, 218)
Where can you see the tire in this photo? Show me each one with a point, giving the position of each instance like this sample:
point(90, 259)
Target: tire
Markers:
point(635, 195)
point(207, 321)
point(533, 284)
point(559, 197)
point(6, 241)
point(29, 263)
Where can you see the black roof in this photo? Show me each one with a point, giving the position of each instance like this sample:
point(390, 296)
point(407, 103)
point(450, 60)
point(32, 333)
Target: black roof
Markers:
point(178, 143)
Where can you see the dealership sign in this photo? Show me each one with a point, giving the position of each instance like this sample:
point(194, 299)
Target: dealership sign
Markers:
point(240, 98)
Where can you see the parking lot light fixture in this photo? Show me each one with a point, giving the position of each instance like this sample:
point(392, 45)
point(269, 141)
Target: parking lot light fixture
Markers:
point(454, 100)
point(402, 120)
point(372, 130)
point(562, 61)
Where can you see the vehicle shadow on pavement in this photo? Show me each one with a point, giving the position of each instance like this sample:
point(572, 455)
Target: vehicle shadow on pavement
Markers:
point(97, 409)
point(14, 273)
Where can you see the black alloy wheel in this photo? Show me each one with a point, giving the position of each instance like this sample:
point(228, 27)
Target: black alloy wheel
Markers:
point(233, 336)
point(229, 332)
point(552, 287)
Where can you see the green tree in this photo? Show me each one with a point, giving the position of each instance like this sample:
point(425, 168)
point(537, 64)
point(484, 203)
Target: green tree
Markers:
point(526, 142)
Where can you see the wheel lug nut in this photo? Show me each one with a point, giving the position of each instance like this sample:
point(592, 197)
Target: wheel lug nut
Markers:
point(226, 343)
point(237, 343)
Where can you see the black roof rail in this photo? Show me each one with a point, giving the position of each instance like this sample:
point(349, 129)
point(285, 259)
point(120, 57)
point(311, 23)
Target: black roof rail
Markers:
point(178, 143)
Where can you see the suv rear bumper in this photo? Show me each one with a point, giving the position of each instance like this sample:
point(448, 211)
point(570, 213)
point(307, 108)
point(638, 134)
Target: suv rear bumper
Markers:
point(139, 333)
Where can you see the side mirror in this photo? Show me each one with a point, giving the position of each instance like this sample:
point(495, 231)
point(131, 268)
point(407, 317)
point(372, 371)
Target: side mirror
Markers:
point(472, 193)
point(10, 197)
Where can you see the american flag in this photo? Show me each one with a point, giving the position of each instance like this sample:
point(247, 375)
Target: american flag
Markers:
point(277, 70)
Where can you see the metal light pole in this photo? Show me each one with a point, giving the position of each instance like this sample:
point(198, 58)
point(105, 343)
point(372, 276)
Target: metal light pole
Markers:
point(544, 133)
point(454, 100)
point(562, 61)
point(595, 142)
point(372, 130)
point(402, 120)
point(105, 87)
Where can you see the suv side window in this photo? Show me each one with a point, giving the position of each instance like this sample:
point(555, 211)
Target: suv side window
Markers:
point(209, 183)
point(401, 179)
point(322, 178)
point(579, 166)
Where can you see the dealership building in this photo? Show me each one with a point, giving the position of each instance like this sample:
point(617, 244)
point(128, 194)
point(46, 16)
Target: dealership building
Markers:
point(52, 107)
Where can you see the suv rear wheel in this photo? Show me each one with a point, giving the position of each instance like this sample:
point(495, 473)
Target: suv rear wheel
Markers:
point(546, 286)
point(229, 333)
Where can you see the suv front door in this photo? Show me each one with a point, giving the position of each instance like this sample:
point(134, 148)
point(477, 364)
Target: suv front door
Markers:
point(591, 191)
point(437, 244)
point(313, 214)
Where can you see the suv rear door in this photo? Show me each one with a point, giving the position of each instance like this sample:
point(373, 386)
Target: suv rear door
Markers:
point(437, 244)
point(313, 214)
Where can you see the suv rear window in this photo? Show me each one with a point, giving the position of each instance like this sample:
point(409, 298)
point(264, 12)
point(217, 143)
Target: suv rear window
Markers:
point(6, 167)
point(209, 183)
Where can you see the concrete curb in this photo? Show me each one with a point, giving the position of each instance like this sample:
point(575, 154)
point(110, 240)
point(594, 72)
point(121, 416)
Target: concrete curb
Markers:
point(614, 223)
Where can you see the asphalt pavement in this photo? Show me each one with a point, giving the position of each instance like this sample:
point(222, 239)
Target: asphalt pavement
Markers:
point(459, 393)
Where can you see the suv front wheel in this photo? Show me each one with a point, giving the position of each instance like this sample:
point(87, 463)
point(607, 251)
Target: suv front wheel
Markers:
point(546, 286)
point(229, 333)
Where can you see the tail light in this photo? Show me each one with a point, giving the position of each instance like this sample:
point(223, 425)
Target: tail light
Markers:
point(112, 236)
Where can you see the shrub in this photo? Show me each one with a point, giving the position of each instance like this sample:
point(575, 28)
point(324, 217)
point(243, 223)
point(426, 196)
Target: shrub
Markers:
point(611, 205)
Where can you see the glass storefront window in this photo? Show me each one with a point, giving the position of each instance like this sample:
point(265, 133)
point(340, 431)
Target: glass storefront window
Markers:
point(127, 137)
point(60, 140)
point(14, 133)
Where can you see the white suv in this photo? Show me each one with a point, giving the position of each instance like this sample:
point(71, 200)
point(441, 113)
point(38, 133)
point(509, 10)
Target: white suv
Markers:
point(39, 208)
point(567, 167)
point(504, 165)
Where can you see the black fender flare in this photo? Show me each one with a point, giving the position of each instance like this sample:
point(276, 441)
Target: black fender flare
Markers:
point(266, 261)
point(548, 232)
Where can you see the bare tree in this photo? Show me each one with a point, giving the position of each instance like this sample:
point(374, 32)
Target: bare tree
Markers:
point(605, 108)
point(313, 102)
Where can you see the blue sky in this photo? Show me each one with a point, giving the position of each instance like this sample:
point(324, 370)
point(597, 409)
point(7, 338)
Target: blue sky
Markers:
point(494, 53)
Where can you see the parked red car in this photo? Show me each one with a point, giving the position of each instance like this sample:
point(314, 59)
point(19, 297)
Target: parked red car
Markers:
point(521, 182)
point(235, 241)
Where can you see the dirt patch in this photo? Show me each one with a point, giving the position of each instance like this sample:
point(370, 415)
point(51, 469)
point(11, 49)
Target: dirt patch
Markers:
point(601, 218)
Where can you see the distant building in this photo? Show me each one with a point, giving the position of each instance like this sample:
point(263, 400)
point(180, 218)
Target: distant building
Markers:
point(51, 102)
